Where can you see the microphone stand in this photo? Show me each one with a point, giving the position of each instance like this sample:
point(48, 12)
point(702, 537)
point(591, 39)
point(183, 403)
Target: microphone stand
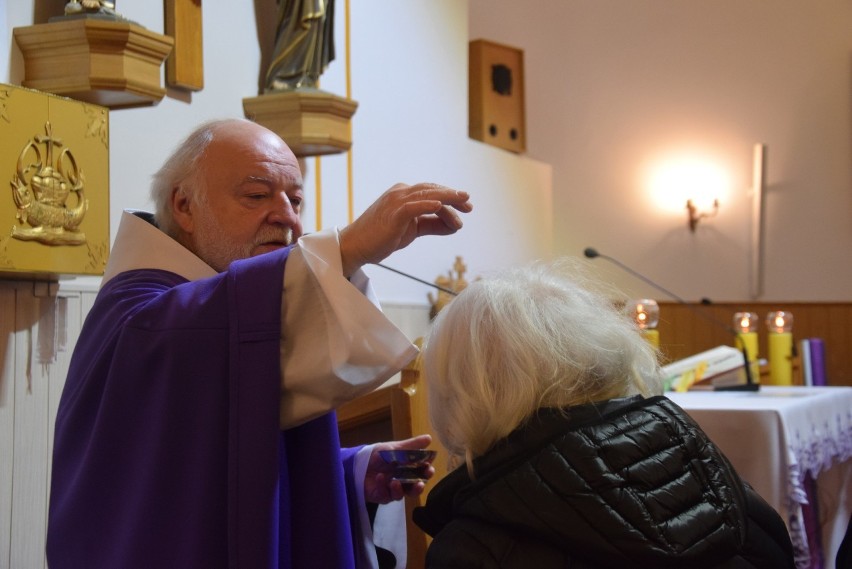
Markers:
point(750, 384)
point(427, 283)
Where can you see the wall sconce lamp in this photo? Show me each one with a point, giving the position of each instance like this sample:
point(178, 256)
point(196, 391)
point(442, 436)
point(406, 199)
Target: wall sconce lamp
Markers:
point(695, 215)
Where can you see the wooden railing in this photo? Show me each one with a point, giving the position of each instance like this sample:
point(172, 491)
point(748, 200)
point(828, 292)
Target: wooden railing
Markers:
point(687, 330)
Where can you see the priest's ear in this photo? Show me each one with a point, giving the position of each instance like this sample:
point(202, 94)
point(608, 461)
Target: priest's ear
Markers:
point(182, 209)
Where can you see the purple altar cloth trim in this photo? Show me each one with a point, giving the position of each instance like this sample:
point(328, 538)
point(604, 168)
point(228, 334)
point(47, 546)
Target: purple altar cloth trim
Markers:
point(827, 447)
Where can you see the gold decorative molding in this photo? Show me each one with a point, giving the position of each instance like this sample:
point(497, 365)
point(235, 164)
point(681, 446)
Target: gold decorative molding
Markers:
point(54, 213)
point(311, 122)
point(115, 64)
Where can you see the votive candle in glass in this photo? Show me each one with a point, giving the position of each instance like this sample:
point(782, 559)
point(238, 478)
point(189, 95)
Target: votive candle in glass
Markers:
point(780, 325)
point(646, 314)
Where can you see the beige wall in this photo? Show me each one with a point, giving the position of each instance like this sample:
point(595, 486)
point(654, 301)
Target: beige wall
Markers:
point(613, 86)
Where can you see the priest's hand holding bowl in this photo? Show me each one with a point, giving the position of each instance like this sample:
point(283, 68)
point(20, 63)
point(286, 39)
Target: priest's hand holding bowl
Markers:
point(382, 486)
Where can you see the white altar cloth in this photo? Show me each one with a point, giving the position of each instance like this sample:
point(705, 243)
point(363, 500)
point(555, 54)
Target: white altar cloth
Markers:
point(774, 438)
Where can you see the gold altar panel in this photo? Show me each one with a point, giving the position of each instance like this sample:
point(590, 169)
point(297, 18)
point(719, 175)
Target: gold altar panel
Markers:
point(54, 166)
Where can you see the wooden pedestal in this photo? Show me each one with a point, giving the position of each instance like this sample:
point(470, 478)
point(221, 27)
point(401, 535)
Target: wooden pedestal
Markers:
point(114, 64)
point(311, 122)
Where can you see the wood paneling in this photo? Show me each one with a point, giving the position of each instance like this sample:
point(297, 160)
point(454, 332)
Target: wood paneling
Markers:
point(688, 329)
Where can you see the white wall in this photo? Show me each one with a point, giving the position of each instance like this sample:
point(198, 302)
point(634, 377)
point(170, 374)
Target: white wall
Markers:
point(611, 88)
point(37, 333)
point(614, 86)
point(409, 76)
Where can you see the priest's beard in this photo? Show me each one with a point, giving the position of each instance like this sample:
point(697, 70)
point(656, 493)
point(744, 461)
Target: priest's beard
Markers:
point(216, 248)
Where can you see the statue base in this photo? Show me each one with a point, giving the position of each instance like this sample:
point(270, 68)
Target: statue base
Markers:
point(112, 63)
point(311, 122)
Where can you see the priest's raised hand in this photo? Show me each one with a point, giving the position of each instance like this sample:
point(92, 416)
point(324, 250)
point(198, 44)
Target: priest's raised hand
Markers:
point(402, 214)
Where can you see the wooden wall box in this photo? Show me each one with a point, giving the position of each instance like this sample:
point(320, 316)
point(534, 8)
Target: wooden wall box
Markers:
point(54, 163)
point(115, 64)
point(496, 96)
point(311, 122)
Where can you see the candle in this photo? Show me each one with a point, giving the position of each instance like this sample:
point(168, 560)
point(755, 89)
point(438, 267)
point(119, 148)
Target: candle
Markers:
point(780, 324)
point(652, 337)
point(646, 314)
point(746, 323)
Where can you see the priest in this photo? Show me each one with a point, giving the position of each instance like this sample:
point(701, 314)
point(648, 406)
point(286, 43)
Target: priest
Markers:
point(196, 427)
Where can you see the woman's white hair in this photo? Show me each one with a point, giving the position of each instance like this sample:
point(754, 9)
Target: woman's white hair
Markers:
point(538, 336)
point(181, 171)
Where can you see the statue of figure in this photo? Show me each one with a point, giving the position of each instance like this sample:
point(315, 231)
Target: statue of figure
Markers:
point(460, 283)
point(443, 298)
point(447, 283)
point(74, 7)
point(304, 44)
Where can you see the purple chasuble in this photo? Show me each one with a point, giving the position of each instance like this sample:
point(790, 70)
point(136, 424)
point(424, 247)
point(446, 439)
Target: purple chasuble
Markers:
point(168, 451)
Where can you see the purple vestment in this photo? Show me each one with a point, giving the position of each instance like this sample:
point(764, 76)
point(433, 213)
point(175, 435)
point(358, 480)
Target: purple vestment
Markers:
point(168, 451)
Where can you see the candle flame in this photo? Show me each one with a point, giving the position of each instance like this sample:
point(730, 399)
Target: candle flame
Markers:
point(779, 321)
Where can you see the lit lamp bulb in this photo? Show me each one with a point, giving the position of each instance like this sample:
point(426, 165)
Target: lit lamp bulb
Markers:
point(646, 314)
point(745, 324)
point(780, 324)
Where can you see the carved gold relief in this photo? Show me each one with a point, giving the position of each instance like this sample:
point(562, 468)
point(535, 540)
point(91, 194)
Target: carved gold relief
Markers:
point(98, 126)
point(54, 160)
point(97, 256)
point(41, 188)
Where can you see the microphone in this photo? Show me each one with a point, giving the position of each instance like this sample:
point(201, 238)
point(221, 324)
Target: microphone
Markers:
point(750, 385)
point(412, 277)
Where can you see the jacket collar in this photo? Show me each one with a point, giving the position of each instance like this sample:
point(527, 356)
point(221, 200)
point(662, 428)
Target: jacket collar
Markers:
point(139, 244)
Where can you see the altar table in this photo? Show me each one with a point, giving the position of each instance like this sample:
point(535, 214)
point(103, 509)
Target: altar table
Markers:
point(780, 438)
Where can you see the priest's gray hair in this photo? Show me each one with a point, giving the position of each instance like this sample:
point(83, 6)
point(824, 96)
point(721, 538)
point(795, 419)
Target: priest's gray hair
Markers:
point(180, 171)
point(538, 336)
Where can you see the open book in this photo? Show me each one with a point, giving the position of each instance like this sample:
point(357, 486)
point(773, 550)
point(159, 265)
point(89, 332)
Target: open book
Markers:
point(714, 368)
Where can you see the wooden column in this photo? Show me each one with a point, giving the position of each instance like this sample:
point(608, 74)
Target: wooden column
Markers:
point(185, 65)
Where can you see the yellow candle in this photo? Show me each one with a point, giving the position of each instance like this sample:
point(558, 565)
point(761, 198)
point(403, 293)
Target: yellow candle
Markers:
point(652, 337)
point(749, 340)
point(781, 358)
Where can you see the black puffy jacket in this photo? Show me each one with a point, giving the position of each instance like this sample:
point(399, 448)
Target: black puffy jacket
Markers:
point(627, 483)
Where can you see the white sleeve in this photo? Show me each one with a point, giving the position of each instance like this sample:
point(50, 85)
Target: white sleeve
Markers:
point(335, 342)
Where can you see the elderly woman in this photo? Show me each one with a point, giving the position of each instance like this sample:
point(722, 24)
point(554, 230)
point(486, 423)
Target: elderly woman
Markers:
point(548, 399)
